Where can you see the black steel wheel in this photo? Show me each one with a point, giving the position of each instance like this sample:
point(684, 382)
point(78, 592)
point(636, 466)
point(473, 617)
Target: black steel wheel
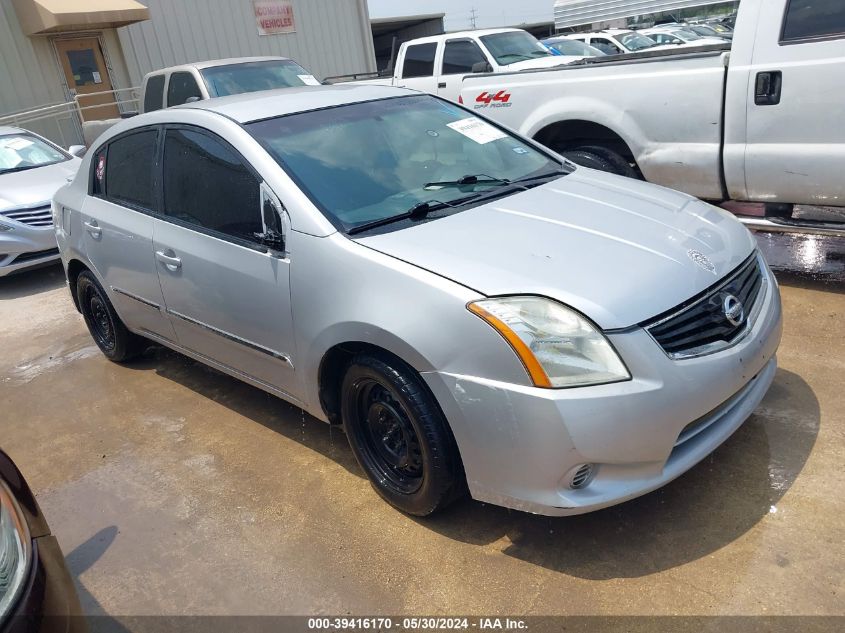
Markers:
point(399, 435)
point(106, 328)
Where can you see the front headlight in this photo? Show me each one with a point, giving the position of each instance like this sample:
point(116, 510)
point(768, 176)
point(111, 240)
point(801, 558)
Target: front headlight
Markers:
point(558, 346)
point(15, 551)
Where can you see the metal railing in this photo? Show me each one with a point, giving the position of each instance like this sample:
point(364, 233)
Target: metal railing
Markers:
point(71, 113)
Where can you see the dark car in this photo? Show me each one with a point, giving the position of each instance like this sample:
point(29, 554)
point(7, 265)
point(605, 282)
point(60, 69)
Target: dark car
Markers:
point(36, 590)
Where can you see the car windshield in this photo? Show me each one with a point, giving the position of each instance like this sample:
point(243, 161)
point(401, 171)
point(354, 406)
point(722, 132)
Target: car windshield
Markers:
point(513, 46)
point(254, 76)
point(686, 34)
point(635, 41)
point(574, 47)
point(369, 161)
point(24, 151)
point(705, 31)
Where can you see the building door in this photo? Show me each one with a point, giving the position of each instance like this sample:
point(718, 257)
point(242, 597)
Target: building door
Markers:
point(86, 72)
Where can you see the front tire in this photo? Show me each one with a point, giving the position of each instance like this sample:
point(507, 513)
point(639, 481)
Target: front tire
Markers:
point(109, 333)
point(399, 436)
point(603, 159)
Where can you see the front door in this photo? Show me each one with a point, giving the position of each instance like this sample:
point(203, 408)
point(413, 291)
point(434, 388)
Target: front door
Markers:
point(86, 72)
point(459, 56)
point(227, 296)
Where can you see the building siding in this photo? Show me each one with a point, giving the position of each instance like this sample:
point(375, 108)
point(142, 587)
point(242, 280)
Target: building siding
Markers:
point(332, 36)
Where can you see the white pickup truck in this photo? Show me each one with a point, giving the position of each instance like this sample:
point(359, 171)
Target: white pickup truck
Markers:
point(762, 122)
point(437, 64)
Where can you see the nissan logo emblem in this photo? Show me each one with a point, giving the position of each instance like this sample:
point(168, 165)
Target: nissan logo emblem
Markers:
point(734, 310)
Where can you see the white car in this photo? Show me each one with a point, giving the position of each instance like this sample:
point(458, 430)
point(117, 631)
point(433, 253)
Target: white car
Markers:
point(680, 36)
point(31, 170)
point(618, 41)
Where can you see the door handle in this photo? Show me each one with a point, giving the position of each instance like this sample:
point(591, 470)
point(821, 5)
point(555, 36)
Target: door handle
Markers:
point(767, 88)
point(93, 228)
point(172, 262)
point(442, 84)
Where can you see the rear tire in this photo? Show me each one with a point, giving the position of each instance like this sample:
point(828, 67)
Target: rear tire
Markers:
point(603, 159)
point(399, 436)
point(109, 333)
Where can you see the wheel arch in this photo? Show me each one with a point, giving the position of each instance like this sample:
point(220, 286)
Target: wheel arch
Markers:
point(573, 133)
point(74, 268)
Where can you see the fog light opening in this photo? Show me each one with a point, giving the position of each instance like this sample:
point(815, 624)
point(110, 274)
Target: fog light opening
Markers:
point(582, 476)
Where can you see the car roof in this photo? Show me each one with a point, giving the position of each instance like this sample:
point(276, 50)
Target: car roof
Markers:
point(209, 63)
point(253, 106)
point(460, 34)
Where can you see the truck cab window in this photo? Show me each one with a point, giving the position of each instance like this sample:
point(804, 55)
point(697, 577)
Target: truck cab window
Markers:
point(182, 87)
point(460, 55)
point(228, 201)
point(808, 19)
point(154, 93)
point(419, 61)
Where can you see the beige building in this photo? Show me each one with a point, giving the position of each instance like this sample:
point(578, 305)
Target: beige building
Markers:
point(59, 55)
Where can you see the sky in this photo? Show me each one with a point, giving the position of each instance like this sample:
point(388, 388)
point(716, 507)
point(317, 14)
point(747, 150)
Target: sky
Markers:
point(489, 13)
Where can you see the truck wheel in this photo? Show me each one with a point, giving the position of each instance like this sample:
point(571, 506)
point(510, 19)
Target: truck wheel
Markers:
point(399, 435)
point(603, 159)
point(108, 331)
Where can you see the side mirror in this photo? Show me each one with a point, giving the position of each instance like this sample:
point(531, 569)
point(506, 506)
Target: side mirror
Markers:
point(193, 99)
point(273, 236)
point(77, 150)
point(482, 67)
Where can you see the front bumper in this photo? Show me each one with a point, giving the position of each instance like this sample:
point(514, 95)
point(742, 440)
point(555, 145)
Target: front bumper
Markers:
point(520, 445)
point(26, 247)
point(49, 603)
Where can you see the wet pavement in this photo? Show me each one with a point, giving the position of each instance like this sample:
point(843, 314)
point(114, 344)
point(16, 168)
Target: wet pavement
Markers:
point(175, 489)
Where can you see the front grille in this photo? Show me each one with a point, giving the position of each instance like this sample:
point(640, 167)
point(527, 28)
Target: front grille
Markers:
point(25, 257)
point(40, 215)
point(701, 325)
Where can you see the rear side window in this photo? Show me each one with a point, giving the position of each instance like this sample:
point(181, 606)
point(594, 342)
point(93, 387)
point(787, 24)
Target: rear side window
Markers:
point(154, 93)
point(460, 55)
point(207, 184)
point(808, 19)
point(419, 60)
point(129, 169)
point(182, 87)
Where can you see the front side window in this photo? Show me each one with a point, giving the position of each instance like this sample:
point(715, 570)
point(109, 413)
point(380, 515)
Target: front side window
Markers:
point(19, 152)
point(235, 79)
point(605, 46)
point(182, 87)
point(419, 61)
point(207, 184)
point(514, 46)
point(369, 161)
point(808, 19)
point(459, 56)
point(154, 93)
point(129, 169)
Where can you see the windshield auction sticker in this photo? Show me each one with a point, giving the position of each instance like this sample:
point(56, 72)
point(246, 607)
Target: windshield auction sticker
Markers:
point(477, 130)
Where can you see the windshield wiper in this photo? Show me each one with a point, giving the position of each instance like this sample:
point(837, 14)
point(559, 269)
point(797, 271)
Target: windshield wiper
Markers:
point(548, 174)
point(418, 211)
point(14, 170)
point(474, 179)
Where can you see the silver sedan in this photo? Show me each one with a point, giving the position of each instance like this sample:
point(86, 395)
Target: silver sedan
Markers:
point(479, 314)
point(31, 170)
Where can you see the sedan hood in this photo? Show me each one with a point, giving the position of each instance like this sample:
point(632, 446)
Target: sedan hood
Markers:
point(618, 250)
point(33, 186)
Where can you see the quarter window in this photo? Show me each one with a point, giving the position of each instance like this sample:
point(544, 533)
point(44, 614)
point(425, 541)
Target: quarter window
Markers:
point(206, 184)
point(419, 60)
point(460, 55)
point(154, 93)
point(807, 19)
point(182, 87)
point(129, 169)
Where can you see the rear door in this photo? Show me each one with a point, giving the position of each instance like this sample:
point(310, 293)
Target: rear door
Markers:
point(418, 68)
point(117, 219)
point(459, 56)
point(795, 148)
point(227, 295)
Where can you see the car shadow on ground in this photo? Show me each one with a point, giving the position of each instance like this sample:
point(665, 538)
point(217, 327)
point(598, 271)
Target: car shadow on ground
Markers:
point(32, 282)
point(699, 513)
point(259, 406)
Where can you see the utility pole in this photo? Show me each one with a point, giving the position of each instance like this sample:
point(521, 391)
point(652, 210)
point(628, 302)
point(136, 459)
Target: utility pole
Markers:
point(472, 19)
